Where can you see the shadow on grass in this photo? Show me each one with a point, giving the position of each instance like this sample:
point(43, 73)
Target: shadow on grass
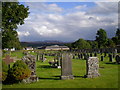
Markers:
point(113, 63)
point(74, 76)
point(46, 66)
point(79, 76)
point(49, 78)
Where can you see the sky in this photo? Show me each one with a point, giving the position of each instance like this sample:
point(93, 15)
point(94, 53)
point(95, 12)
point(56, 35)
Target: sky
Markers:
point(68, 21)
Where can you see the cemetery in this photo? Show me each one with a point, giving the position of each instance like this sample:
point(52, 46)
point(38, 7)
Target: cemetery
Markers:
point(57, 47)
point(64, 69)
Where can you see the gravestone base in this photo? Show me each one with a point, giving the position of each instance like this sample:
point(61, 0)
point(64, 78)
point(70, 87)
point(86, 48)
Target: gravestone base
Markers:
point(67, 77)
point(92, 76)
point(30, 79)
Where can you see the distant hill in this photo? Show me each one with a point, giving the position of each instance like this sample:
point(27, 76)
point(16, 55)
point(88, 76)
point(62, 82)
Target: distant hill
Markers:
point(42, 43)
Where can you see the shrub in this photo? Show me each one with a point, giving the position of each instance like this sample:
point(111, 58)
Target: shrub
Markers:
point(19, 71)
point(4, 71)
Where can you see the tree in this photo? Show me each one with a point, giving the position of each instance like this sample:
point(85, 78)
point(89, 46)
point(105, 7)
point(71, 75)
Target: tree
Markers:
point(93, 44)
point(13, 14)
point(110, 43)
point(116, 39)
point(81, 44)
point(101, 38)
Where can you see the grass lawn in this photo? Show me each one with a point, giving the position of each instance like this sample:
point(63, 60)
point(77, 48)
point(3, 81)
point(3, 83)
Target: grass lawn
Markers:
point(50, 77)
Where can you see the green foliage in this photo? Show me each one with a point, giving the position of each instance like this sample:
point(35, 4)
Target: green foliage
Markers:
point(101, 38)
point(110, 43)
point(13, 14)
point(4, 71)
point(19, 71)
point(81, 44)
point(116, 39)
point(93, 44)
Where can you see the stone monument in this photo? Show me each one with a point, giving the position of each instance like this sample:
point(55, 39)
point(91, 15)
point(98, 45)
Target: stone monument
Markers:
point(66, 67)
point(92, 69)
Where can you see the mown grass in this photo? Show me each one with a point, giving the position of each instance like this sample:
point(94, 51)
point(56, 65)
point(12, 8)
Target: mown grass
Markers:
point(50, 77)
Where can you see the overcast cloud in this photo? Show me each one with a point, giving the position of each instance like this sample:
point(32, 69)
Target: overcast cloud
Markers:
point(52, 22)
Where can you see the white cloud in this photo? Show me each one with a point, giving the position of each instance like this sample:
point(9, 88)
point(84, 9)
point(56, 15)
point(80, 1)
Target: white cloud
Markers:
point(45, 24)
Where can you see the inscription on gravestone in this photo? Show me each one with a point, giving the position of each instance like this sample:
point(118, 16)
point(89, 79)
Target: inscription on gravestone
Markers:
point(92, 69)
point(66, 67)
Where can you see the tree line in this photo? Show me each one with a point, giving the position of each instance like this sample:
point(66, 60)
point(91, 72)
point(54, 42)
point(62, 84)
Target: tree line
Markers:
point(101, 41)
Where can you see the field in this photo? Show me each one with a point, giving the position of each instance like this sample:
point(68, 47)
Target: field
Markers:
point(50, 77)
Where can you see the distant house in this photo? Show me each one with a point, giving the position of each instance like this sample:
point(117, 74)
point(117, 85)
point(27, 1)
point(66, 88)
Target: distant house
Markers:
point(12, 49)
point(28, 48)
point(56, 47)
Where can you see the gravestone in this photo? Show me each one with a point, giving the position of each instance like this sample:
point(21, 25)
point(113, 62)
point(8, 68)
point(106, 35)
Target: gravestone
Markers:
point(105, 54)
point(86, 56)
point(81, 56)
point(8, 60)
point(90, 54)
point(30, 60)
point(117, 58)
point(38, 57)
point(92, 69)
point(110, 58)
point(66, 67)
point(95, 54)
point(102, 58)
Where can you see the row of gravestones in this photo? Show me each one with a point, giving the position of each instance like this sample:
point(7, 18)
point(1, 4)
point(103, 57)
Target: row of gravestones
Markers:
point(92, 66)
point(85, 56)
point(66, 67)
point(104, 50)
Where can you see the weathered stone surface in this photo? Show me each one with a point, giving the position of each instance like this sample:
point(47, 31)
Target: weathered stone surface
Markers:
point(30, 60)
point(117, 58)
point(92, 69)
point(66, 64)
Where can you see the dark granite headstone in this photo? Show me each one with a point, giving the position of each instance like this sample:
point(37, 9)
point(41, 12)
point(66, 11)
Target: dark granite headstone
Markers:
point(95, 54)
point(102, 58)
point(66, 67)
point(117, 58)
point(110, 58)
point(90, 54)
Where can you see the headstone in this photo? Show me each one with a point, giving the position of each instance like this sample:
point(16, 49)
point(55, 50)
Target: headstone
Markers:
point(95, 54)
point(117, 58)
point(90, 54)
point(102, 58)
point(92, 69)
point(30, 60)
point(66, 67)
point(86, 56)
point(38, 57)
point(110, 58)
point(8, 60)
point(81, 56)
point(105, 54)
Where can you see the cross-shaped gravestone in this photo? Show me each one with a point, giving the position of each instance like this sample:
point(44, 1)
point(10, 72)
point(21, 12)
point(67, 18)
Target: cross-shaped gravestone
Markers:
point(8, 60)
